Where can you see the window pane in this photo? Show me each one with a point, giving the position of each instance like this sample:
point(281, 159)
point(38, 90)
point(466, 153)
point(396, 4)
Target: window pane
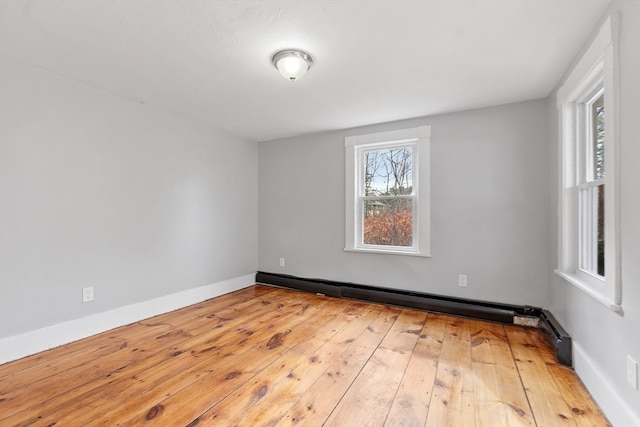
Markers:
point(388, 222)
point(597, 111)
point(388, 172)
point(592, 238)
point(600, 248)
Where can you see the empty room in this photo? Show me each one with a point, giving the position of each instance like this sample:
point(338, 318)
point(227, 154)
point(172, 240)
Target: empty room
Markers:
point(338, 213)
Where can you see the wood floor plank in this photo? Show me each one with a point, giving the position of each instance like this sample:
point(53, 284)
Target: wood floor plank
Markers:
point(411, 404)
point(380, 377)
point(53, 357)
point(499, 399)
point(452, 400)
point(585, 411)
point(283, 382)
point(270, 356)
point(180, 357)
point(145, 388)
point(544, 397)
point(29, 370)
point(124, 359)
point(229, 370)
point(80, 377)
point(321, 398)
point(155, 336)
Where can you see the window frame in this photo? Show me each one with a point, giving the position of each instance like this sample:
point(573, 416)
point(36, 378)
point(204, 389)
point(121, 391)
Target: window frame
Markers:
point(417, 137)
point(595, 73)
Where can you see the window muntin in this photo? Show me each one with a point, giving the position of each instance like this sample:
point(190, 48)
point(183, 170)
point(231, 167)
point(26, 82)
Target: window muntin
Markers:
point(387, 192)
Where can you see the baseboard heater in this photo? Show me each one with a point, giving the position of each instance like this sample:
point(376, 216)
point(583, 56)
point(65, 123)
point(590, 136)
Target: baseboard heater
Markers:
point(496, 312)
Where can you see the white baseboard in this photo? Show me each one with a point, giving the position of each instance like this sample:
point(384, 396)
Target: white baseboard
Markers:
point(32, 342)
point(603, 392)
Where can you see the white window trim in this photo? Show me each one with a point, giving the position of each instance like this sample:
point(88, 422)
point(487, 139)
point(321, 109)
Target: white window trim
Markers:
point(597, 68)
point(421, 137)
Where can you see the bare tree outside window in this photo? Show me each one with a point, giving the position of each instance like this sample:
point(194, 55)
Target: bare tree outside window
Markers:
point(598, 147)
point(388, 201)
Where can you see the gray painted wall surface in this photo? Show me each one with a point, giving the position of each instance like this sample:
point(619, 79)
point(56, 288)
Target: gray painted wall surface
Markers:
point(100, 191)
point(489, 204)
point(608, 337)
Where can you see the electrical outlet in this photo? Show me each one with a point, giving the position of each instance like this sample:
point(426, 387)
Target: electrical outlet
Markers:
point(632, 372)
point(462, 280)
point(87, 294)
point(281, 262)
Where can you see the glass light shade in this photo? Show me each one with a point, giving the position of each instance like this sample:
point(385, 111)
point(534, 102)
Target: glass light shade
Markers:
point(292, 64)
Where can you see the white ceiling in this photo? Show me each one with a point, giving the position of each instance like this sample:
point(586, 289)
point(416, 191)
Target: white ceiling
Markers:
point(374, 61)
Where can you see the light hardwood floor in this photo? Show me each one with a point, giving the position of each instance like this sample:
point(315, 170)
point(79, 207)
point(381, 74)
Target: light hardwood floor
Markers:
point(269, 356)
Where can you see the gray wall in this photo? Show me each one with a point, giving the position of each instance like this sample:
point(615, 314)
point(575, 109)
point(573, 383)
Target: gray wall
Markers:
point(96, 190)
point(607, 337)
point(489, 204)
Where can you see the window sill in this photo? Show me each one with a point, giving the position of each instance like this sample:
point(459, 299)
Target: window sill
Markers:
point(388, 252)
point(575, 281)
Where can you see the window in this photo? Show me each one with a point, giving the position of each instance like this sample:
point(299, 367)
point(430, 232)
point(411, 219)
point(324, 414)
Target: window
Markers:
point(387, 194)
point(591, 188)
point(588, 237)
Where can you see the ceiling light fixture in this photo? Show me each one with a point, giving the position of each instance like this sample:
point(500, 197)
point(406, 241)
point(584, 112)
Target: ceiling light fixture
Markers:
point(292, 64)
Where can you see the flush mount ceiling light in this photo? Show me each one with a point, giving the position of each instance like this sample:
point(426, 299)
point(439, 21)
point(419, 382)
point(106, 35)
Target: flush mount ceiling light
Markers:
point(292, 64)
